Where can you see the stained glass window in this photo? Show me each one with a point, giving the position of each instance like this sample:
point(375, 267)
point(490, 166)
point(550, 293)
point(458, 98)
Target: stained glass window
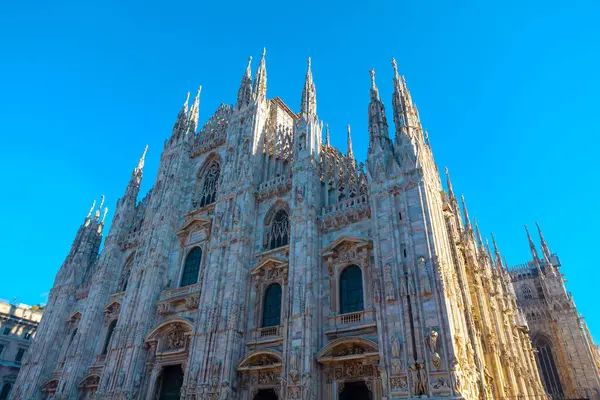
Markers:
point(192, 267)
point(272, 306)
point(351, 290)
point(209, 187)
point(280, 230)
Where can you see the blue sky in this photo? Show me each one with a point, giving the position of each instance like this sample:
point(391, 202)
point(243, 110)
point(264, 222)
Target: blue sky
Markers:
point(508, 92)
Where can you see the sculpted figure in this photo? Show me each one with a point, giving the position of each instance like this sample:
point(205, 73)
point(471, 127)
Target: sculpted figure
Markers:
point(431, 340)
point(395, 346)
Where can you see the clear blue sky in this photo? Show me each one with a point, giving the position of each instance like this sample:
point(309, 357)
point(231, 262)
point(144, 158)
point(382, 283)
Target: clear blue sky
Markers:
point(507, 90)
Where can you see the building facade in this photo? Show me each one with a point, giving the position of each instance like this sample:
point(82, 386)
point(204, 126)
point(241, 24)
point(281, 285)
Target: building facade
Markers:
point(18, 324)
point(266, 264)
point(568, 360)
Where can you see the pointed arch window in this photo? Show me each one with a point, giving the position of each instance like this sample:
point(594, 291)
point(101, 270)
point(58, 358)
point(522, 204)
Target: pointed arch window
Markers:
point(279, 232)
point(548, 369)
point(527, 294)
point(209, 186)
point(191, 268)
point(109, 333)
point(351, 290)
point(272, 306)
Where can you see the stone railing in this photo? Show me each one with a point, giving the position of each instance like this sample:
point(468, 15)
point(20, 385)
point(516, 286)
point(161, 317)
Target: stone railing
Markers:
point(269, 331)
point(351, 321)
point(179, 299)
point(275, 187)
point(345, 212)
point(260, 336)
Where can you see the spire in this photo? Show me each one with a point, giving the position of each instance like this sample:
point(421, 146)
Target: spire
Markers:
point(545, 250)
point(309, 94)
point(449, 185)
point(405, 113)
point(182, 118)
point(487, 249)
point(327, 141)
point(194, 114)
point(532, 246)
point(260, 81)
point(478, 235)
point(466, 212)
point(378, 126)
point(104, 216)
point(89, 214)
point(245, 91)
point(350, 152)
point(496, 251)
point(140, 165)
point(97, 214)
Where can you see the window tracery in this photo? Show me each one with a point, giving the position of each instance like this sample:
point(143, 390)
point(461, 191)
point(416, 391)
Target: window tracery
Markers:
point(527, 293)
point(210, 184)
point(278, 232)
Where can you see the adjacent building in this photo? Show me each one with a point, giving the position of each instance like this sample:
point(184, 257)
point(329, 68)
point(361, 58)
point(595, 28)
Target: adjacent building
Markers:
point(267, 264)
point(18, 324)
point(566, 354)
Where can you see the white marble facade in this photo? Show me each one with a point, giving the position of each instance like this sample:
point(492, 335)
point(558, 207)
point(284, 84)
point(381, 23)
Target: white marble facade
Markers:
point(267, 264)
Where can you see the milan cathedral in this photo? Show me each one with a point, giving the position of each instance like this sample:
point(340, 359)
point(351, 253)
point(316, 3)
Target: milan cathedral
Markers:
point(266, 264)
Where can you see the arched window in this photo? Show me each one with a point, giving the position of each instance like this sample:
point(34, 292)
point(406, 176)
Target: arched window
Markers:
point(5, 391)
point(351, 290)
point(191, 268)
point(548, 369)
point(272, 306)
point(279, 231)
point(111, 329)
point(208, 194)
point(124, 281)
point(527, 295)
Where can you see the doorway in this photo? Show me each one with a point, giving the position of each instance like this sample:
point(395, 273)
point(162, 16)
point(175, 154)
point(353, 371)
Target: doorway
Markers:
point(355, 391)
point(171, 379)
point(265, 394)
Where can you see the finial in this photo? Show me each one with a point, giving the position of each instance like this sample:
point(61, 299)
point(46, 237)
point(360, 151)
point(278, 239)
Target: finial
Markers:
point(350, 152)
point(199, 90)
point(372, 72)
point(97, 214)
point(545, 248)
point(478, 234)
point(142, 159)
point(449, 184)
point(466, 212)
point(89, 214)
point(327, 142)
point(496, 251)
point(249, 63)
point(309, 63)
point(264, 53)
point(395, 66)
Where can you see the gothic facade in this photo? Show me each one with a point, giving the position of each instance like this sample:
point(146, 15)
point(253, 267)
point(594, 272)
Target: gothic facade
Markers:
point(266, 264)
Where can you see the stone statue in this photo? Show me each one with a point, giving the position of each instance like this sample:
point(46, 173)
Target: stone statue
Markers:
point(431, 340)
point(395, 346)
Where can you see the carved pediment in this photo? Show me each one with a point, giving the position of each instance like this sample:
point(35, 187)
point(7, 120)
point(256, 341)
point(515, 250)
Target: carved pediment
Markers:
point(260, 359)
point(269, 264)
point(76, 316)
point(50, 386)
point(348, 348)
point(90, 381)
point(171, 336)
point(196, 230)
point(345, 244)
